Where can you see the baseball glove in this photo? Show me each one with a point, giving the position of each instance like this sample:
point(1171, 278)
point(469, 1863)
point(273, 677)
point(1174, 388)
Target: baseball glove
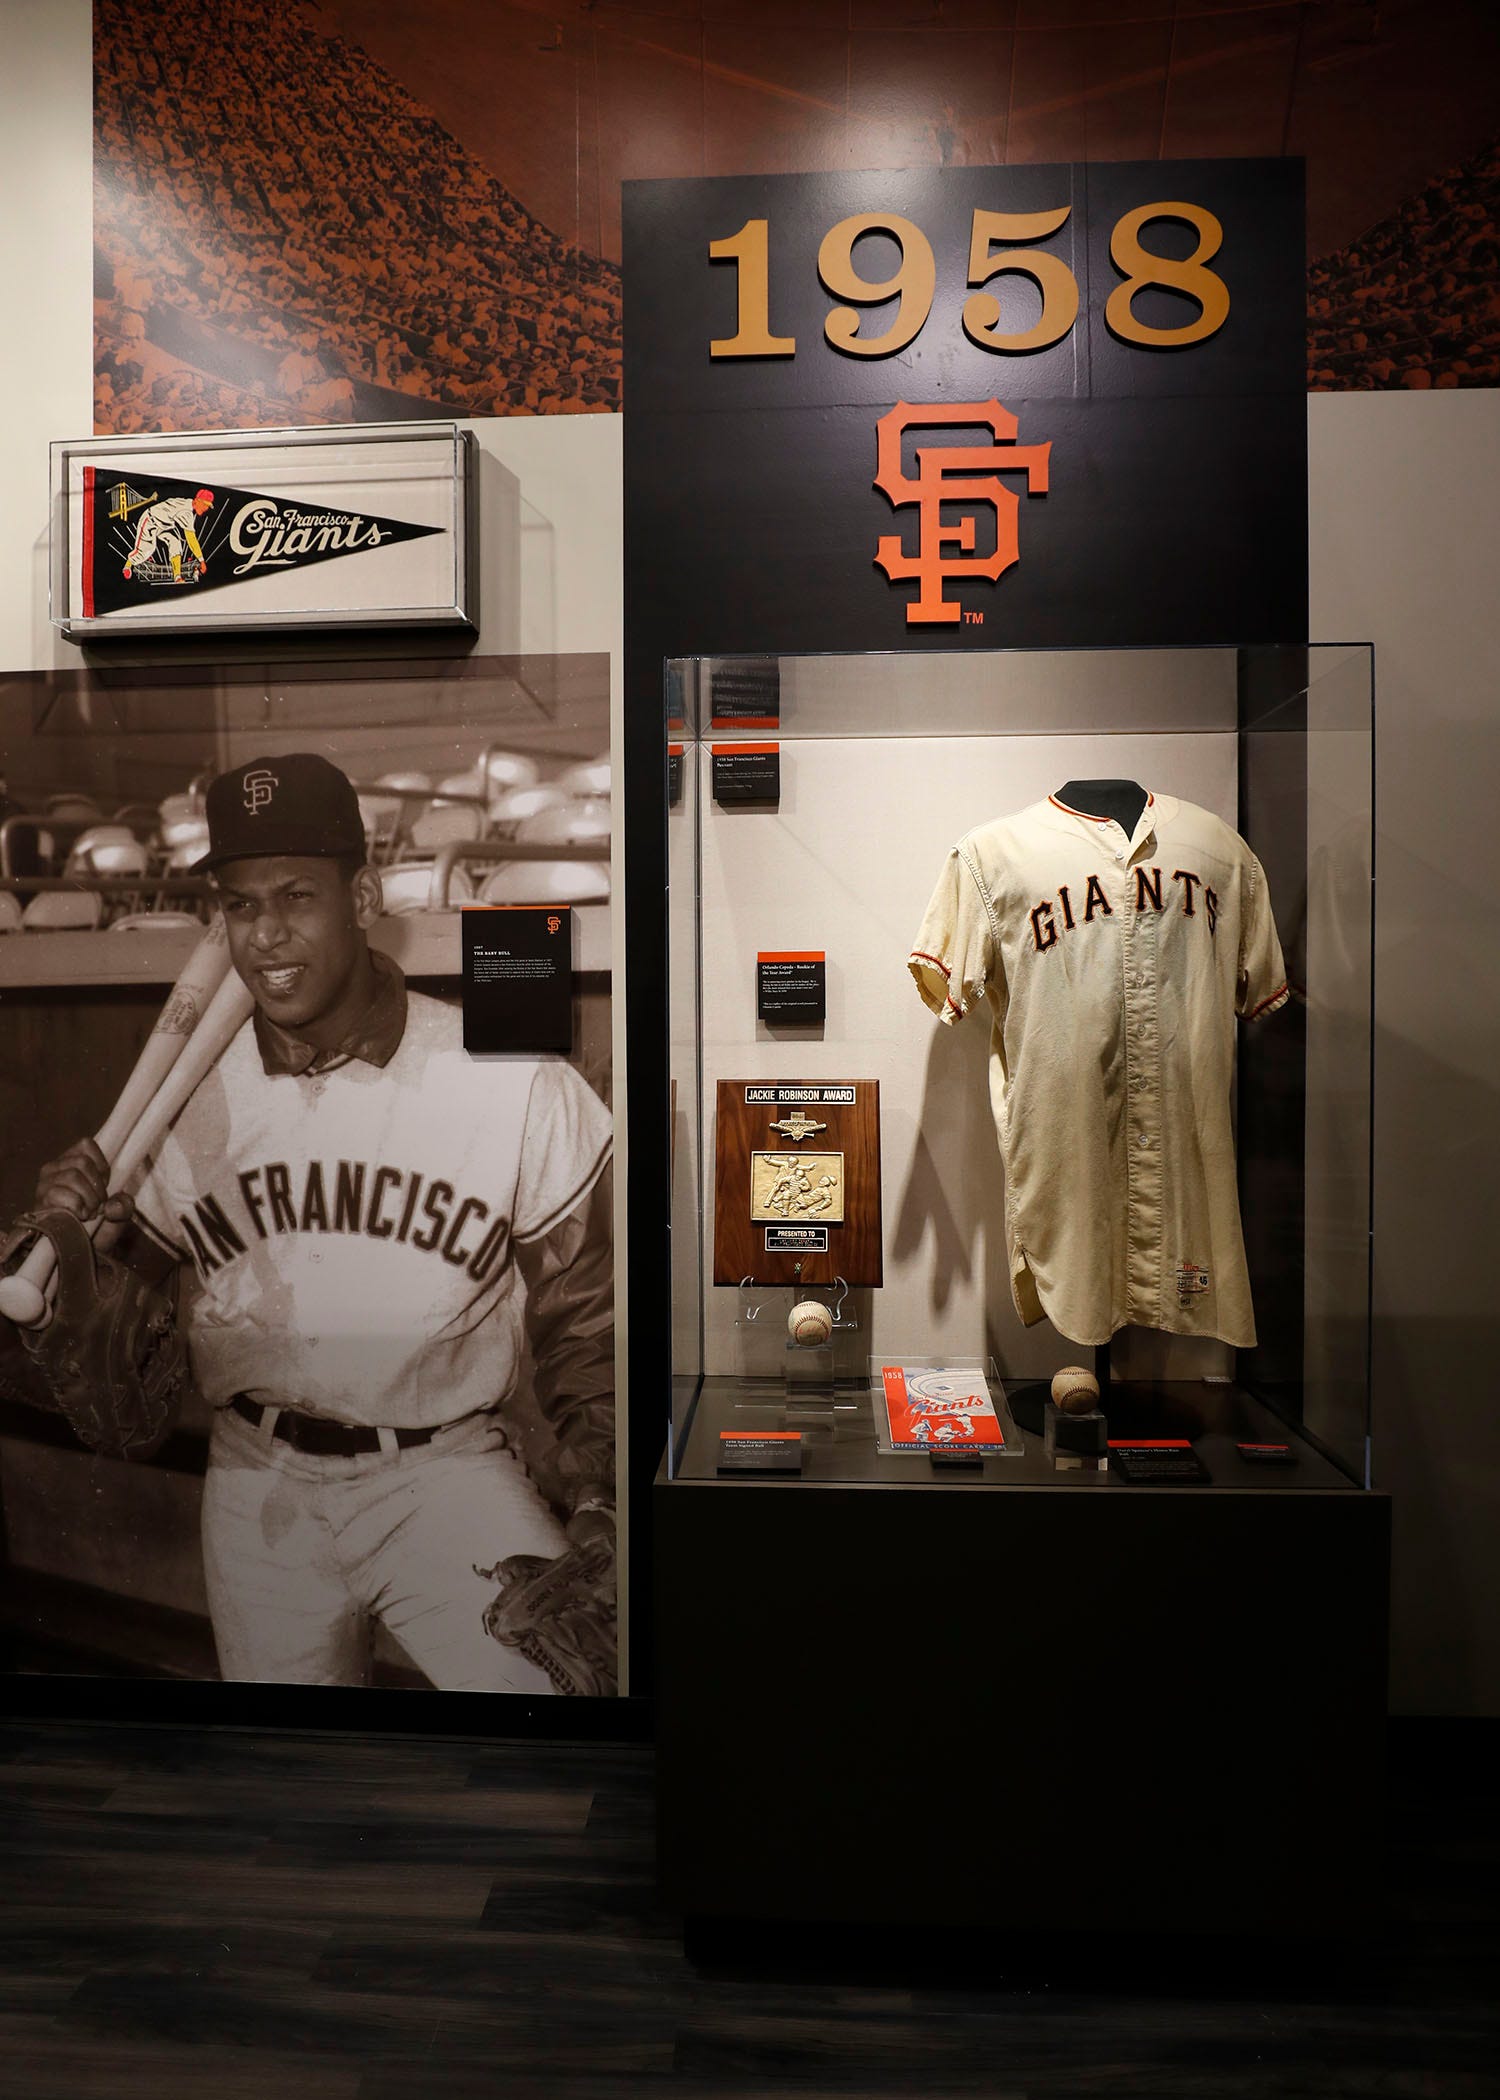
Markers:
point(110, 1357)
point(560, 1614)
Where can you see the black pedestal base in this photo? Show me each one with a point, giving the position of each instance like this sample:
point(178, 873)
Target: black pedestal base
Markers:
point(1022, 1708)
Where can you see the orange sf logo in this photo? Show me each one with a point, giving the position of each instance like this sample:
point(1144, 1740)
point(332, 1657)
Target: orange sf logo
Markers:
point(952, 474)
point(553, 922)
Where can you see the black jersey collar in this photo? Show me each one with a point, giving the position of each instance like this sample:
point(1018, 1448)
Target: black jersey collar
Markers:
point(374, 1038)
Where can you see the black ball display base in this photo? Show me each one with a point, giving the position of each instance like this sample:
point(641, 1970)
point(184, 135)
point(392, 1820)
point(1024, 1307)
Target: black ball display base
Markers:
point(1028, 1406)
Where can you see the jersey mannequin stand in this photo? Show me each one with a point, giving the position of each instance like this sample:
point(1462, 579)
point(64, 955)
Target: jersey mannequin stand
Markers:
point(1122, 800)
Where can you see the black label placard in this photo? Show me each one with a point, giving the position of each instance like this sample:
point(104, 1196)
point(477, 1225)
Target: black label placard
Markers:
point(791, 986)
point(1162, 1461)
point(1267, 1454)
point(948, 467)
point(801, 1096)
point(746, 694)
point(674, 774)
point(796, 1239)
point(760, 1451)
point(518, 978)
point(747, 773)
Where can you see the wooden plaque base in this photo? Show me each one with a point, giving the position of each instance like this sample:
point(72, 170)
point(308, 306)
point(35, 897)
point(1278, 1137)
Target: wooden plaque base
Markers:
point(850, 1248)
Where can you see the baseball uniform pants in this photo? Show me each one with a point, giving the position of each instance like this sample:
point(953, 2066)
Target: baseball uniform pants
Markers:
point(302, 1554)
point(162, 537)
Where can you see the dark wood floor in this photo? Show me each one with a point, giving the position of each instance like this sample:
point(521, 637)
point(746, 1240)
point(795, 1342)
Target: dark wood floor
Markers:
point(194, 1914)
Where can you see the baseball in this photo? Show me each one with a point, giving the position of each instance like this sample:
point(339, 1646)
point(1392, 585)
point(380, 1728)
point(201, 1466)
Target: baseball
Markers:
point(809, 1323)
point(1075, 1390)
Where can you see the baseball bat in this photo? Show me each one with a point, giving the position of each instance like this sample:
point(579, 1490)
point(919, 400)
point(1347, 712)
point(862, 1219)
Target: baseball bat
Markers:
point(23, 1292)
point(225, 1015)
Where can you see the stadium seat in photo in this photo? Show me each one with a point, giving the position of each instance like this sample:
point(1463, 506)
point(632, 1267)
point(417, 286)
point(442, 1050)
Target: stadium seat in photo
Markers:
point(63, 911)
point(156, 922)
point(408, 888)
point(547, 882)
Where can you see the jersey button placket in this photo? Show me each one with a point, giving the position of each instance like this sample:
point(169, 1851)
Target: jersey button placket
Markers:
point(1142, 1102)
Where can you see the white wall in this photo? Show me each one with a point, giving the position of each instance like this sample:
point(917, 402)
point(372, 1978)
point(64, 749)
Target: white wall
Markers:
point(1405, 516)
point(46, 268)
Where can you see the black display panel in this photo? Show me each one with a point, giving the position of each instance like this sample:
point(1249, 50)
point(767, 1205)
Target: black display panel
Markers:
point(1145, 472)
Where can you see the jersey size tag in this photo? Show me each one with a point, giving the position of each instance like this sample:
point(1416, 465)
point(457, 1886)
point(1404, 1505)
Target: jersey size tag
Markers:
point(1192, 1281)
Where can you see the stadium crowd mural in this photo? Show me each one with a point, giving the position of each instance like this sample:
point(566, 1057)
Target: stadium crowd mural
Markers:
point(286, 233)
point(283, 235)
point(1416, 301)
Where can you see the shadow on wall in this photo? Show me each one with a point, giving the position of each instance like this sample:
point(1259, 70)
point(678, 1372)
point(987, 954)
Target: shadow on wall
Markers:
point(949, 1212)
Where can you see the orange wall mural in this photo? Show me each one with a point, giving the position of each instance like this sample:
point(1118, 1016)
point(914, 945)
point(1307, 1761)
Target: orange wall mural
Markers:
point(369, 209)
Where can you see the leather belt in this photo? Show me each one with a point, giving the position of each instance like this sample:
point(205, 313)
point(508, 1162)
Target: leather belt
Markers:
point(320, 1438)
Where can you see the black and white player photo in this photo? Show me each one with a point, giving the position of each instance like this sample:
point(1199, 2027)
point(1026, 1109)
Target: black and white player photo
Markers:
point(307, 1325)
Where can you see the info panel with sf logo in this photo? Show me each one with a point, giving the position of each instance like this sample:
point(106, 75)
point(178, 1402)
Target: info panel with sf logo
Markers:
point(967, 407)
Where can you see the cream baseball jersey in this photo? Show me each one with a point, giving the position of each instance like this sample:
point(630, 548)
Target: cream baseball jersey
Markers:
point(1113, 968)
point(352, 1234)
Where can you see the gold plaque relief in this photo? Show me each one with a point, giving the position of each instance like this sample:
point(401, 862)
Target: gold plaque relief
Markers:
point(796, 1188)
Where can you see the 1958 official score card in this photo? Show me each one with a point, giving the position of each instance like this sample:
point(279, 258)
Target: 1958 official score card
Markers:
point(933, 1410)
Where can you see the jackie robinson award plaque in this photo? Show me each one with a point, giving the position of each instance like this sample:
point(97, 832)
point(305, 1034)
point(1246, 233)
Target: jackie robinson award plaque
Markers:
point(797, 1182)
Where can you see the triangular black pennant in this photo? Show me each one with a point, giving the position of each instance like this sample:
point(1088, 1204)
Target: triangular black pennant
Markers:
point(150, 539)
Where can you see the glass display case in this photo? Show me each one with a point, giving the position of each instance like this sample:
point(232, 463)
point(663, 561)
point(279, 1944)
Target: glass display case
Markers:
point(847, 1305)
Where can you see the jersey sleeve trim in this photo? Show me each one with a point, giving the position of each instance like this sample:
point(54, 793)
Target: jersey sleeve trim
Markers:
point(942, 1003)
point(1271, 1005)
point(571, 1201)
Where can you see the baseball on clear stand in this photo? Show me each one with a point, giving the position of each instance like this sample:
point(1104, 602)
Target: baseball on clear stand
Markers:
point(809, 1323)
point(1074, 1390)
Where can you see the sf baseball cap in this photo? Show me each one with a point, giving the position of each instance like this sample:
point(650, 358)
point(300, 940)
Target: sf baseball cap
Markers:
point(298, 803)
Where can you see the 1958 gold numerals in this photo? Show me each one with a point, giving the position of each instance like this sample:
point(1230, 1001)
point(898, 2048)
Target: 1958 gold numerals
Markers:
point(1001, 244)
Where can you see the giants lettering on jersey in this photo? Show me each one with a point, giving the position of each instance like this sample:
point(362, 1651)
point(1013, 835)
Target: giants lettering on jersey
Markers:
point(1094, 903)
point(383, 1202)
